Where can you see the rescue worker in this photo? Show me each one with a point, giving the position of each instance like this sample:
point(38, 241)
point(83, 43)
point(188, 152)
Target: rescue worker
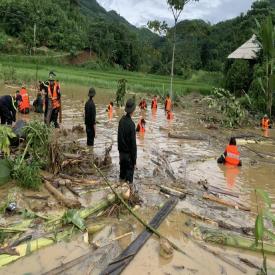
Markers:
point(24, 105)
point(18, 99)
point(142, 105)
point(110, 107)
point(168, 103)
point(38, 103)
point(141, 126)
point(154, 104)
point(265, 123)
point(52, 101)
point(169, 115)
point(127, 144)
point(231, 154)
point(7, 110)
point(90, 117)
point(110, 110)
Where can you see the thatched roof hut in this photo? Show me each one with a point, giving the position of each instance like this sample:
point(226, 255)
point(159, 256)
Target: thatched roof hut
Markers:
point(248, 50)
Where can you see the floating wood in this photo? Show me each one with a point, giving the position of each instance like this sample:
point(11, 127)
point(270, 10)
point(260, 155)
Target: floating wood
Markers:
point(119, 264)
point(60, 197)
point(187, 137)
point(224, 202)
point(172, 192)
point(222, 191)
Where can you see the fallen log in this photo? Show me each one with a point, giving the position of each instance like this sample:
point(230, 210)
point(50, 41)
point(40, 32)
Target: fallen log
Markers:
point(36, 197)
point(249, 263)
point(172, 192)
point(222, 237)
point(120, 263)
point(212, 188)
point(60, 197)
point(199, 217)
point(187, 137)
point(224, 202)
point(79, 181)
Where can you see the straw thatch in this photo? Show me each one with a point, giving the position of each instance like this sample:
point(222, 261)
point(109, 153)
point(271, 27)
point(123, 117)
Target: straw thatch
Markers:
point(247, 51)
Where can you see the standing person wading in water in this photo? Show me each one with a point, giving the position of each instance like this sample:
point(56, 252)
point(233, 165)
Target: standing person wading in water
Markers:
point(90, 118)
point(127, 146)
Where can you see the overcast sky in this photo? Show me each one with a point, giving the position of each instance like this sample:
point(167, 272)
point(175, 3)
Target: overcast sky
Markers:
point(139, 12)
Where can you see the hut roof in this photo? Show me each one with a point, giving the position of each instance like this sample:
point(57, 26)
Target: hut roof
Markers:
point(248, 50)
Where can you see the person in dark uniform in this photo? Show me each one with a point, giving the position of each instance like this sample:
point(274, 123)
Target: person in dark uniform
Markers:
point(127, 143)
point(90, 118)
point(7, 110)
point(38, 103)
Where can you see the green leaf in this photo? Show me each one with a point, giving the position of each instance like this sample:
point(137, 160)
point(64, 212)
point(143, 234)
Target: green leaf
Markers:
point(270, 234)
point(264, 196)
point(259, 228)
point(5, 171)
point(72, 216)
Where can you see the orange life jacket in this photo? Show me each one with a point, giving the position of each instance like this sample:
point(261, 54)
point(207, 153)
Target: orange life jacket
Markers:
point(265, 123)
point(54, 96)
point(110, 108)
point(154, 104)
point(170, 115)
point(168, 104)
point(232, 155)
point(142, 105)
point(25, 103)
point(141, 127)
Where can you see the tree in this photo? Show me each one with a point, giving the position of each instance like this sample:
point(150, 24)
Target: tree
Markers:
point(176, 7)
point(266, 37)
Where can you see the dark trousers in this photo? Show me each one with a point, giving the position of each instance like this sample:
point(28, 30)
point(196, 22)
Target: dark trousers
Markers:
point(126, 167)
point(54, 117)
point(90, 135)
point(5, 115)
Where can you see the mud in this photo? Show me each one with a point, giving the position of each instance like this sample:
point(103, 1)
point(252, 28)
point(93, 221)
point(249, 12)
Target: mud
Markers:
point(190, 161)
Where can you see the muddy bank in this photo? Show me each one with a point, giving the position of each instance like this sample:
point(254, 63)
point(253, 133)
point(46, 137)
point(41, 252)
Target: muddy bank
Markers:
point(180, 163)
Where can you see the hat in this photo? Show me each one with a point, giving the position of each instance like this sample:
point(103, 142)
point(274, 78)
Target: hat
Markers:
point(52, 76)
point(265, 116)
point(130, 106)
point(91, 92)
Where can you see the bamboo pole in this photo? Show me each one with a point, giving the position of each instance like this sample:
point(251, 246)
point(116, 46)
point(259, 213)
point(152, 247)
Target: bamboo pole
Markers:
point(135, 215)
point(224, 202)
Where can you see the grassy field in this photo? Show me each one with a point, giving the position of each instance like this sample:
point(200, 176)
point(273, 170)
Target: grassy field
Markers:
point(21, 69)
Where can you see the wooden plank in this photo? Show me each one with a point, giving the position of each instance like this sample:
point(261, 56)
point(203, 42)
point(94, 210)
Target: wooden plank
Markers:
point(120, 263)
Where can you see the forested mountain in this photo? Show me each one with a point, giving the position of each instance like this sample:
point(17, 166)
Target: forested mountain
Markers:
point(73, 25)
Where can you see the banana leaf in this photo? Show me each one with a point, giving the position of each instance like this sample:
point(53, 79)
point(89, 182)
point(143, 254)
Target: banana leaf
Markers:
point(5, 171)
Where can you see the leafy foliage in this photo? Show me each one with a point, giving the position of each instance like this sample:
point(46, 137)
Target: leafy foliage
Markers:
point(263, 215)
point(5, 171)
point(6, 134)
point(72, 216)
point(233, 112)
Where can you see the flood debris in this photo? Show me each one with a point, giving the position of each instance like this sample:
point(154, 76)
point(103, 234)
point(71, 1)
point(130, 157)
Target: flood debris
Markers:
point(119, 264)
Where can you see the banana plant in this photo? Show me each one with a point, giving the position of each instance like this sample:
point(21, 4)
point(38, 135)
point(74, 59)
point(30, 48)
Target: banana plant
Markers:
point(266, 37)
point(6, 134)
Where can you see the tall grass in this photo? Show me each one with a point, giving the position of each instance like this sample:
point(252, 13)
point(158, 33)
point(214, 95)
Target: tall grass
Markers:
point(28, 69)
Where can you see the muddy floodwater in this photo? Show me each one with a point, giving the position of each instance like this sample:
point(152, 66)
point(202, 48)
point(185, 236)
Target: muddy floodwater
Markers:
point(191, 160)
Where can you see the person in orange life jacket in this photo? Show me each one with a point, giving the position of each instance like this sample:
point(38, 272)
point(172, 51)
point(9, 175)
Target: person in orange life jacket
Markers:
point(7, 109)
point(169, 115)
point(141, 126)
point(24, 105)
point(52, 97)
point(154, 104)
point(142, 105)
point(231, 154)
point(168, 103)
point(110, 107)
point(265, 123)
